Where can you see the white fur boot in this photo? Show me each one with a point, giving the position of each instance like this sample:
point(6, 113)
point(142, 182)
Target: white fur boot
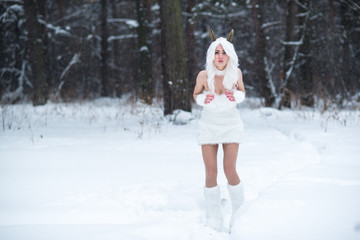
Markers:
point(213, 208)
point(237, 198)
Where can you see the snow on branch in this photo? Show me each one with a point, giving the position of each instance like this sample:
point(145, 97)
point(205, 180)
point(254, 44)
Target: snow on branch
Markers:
point(289, 71)
point(10, 13)
point(270, 24)
point(121, 37)
point(297, 45)
point(356, 6)
point(268, 69)
point(56, 29)
point(292, 43)
point(12, 96)
point(301, 5)
point(130, 22)
point(218, 16)
point(352, 4)
point(74, 60)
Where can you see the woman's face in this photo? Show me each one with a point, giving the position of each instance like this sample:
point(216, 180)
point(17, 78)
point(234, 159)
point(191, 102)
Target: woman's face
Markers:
point(221, 58)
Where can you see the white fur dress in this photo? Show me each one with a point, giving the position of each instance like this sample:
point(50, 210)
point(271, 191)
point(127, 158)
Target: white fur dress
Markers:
point(220, 122)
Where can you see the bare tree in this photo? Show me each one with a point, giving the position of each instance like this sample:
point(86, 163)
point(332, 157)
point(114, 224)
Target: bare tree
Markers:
point(288, 65)
point(262, 80)
point(289, 86)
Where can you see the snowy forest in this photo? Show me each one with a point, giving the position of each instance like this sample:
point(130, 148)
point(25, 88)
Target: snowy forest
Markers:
point(292, 52)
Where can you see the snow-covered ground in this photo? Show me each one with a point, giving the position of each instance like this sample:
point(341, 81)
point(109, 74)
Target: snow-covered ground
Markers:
point(115, 169)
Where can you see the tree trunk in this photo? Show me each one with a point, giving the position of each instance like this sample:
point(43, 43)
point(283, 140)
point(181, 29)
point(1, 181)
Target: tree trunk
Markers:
point(36, 54)
point(330, 81)
point(118, 80)
point(144, 44)
point(42, 14)
point(104, 52)
point(290, 85)
point(307, 86)
point(260, 45)
point(175, 76)
point(346, 63)
point(290, 36)
point(190, 43)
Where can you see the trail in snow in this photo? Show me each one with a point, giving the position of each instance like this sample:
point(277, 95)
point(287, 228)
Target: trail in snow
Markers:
point(104, 171)
point(318, 201)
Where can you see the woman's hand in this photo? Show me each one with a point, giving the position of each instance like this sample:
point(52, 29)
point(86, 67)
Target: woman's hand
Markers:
point(203, 99)
point(230, 95)
point(235, 96)
point(209, 98)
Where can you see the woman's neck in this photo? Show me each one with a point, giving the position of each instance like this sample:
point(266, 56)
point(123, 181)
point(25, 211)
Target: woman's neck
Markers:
point(219, 72)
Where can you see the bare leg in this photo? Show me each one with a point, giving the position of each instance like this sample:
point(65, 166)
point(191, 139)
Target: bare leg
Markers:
point(209, 153)
point(230, 156)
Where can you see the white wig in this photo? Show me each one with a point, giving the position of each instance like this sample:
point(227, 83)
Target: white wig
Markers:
point(231, 71)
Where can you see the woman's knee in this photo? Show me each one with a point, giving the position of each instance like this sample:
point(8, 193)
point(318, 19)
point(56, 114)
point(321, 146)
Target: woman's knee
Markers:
point(230, 170)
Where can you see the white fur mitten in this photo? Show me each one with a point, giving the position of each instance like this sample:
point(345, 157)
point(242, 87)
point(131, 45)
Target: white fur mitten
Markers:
point(200, 99)
point(239, 96)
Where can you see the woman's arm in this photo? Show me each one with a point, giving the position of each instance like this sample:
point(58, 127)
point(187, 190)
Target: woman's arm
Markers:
point(239, 94)
point(199, 86)
point(200, 97)
point(240, 83)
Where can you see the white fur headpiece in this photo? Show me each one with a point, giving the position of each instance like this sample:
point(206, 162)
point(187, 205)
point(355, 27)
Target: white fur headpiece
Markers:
point(231, 72)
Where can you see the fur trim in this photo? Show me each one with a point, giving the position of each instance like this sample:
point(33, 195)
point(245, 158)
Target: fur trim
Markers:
point(200, 99)
point(239, 96)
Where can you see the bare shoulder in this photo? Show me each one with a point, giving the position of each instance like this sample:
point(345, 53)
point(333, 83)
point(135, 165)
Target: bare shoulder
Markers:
point(201, 83)
point(202, 76)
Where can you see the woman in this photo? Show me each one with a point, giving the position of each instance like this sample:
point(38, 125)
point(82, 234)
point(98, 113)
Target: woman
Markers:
point(218, 89)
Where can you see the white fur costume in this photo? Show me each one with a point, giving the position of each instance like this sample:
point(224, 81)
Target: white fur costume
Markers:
point(220, 121)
